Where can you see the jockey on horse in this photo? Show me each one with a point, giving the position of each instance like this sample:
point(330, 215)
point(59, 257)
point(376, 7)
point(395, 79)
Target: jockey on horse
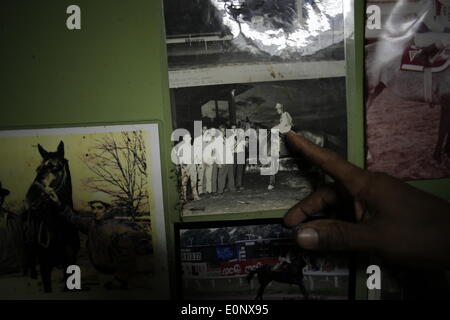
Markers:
point(431, 40)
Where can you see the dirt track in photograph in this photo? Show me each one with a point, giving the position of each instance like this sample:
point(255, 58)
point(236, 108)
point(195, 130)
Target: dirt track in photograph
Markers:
point(401, 137)
point(290, 188)
point(325, 288)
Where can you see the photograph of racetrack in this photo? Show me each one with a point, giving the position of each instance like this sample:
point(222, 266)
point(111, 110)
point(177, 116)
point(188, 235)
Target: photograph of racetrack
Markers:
point(256, 261)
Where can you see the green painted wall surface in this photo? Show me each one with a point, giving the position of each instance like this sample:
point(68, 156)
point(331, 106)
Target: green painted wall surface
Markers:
point(108, 71)
point(111, 71)
point(114, 70)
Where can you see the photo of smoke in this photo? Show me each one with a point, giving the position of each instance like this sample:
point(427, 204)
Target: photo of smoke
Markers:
point(256, 261)
point(85, 197)
point(407, 103)
point(314, 108)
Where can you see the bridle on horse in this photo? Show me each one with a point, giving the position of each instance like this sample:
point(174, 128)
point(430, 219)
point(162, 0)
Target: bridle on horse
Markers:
point(57, 189)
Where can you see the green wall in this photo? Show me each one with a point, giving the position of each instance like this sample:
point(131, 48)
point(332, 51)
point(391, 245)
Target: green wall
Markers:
point(108, 71)
point(111, 71)
point(114, 70)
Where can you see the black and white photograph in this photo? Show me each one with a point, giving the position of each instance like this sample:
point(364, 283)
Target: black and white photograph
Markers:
point(210, 41)
point(203, 32)
point(313, 108)
point(256, 261)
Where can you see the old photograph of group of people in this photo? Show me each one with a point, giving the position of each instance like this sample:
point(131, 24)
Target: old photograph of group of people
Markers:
point(214, 187)
point(256, 261)
point(226, 75)
point(89, 197)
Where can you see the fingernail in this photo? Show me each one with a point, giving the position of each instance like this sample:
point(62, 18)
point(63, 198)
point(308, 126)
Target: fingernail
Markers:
point(308, 238)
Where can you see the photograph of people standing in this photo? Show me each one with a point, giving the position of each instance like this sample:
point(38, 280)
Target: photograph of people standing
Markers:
point(225, 176)
point(254, 65)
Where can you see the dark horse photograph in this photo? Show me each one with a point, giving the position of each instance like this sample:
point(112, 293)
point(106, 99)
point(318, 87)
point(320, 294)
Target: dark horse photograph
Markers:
point(83, 197)
point(50, 241)
point(289, 272)
point(256, 261)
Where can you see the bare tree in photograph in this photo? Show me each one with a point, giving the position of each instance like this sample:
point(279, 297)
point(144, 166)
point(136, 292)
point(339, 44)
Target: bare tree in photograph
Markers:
point(120, 170)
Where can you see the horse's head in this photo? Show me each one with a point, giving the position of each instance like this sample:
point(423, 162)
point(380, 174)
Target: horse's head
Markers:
point(52, 170)
point(52, 173)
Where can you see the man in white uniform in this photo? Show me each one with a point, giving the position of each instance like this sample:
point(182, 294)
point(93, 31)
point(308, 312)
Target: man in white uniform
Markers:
point(240, 159)
point(286, 122)
point(284, 126)
point(208, 160)
point(225, 160)
point(184, 152)
point(199, 145)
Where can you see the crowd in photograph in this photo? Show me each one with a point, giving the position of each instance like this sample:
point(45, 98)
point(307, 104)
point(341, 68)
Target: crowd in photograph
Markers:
point(215, 161)
point(217, 166)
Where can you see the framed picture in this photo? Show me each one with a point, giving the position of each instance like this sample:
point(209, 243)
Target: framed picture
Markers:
point(251, 65)
point(316, 109)
point(208, 33)
point(212, 42)
point(255, 259)
point(89, 197)
point(407, 74)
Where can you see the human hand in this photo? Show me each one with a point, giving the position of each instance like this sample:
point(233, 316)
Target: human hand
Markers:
point(391, 219)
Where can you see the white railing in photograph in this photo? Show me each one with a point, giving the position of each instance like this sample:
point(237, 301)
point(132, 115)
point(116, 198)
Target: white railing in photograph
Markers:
point(308, 276)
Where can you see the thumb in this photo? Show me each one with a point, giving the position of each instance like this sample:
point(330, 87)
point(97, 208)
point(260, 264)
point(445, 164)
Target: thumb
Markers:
point(333, 235)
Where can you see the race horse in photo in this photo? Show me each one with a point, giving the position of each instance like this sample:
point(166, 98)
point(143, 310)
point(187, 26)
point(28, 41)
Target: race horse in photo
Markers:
point(412, 73)
point(289, 273)
point(50, 241)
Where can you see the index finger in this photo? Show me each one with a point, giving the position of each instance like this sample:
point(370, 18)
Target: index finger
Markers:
point(351, 176)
